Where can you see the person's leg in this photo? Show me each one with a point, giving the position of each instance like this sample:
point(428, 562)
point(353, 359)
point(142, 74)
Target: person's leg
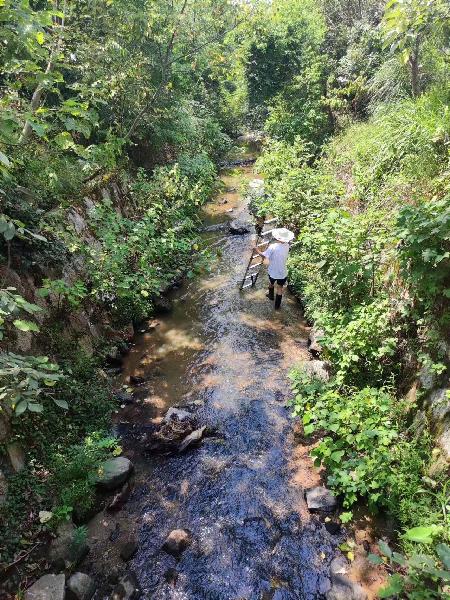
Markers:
point(270, 294)
point(280, 291)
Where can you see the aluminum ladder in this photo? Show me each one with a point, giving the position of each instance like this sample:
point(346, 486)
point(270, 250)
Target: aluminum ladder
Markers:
point(253, 269)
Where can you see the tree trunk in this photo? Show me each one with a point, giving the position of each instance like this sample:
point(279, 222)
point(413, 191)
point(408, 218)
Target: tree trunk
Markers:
point(414, 68)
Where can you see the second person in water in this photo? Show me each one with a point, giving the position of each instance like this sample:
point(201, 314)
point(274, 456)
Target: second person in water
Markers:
point(277, 255)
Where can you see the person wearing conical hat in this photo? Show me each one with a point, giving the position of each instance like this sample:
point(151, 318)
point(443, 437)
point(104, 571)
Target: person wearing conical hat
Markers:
point(277, 255)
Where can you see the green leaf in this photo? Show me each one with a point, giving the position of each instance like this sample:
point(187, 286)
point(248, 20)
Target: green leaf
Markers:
point(61, 403)
point(384, 548)
point(21, 407)
point(40, 37)
point(35, 407)
point(394, 586)
point(4, 160)
point(25, 325)
point(9, 232)
point(422, 535)
point(38, 128)
point(375, 559)
point(443, 551)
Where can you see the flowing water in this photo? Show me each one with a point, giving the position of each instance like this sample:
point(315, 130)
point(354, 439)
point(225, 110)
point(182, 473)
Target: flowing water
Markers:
point(226, 355)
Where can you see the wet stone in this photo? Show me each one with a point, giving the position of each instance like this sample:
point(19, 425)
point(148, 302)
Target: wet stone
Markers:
point(191, 439)
point(239, 227)
point(128, 588)
point(176, 413)
point(137, 380)
point(320, 499)
point(128, 549)
point(177, 541)
point(124, 397)
point(120, 498)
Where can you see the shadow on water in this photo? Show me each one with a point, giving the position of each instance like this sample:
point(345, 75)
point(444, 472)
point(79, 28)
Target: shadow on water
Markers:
point(226, 354)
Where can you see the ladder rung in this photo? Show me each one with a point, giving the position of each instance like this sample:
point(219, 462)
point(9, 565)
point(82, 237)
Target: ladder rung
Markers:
point(246, 286)
point(269, 221)
point(263, 244)
point(267, 232)
point(256, 265)
point(250, 276)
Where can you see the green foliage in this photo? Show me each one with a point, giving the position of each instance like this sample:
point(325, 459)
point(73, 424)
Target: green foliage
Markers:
point(71, 295)
point(424, 254)
point(136, 259)
point(73, 472)
point(427, 576)
point(360, 432)
point(25, 379)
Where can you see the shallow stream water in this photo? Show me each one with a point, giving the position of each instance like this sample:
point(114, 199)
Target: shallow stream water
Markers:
point(226, 355)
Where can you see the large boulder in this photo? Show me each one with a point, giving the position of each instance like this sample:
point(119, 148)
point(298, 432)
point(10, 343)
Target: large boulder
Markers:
point(114, 472)
point(48, 587)
point(65, 550)
point(80, 587)
point(128, 588)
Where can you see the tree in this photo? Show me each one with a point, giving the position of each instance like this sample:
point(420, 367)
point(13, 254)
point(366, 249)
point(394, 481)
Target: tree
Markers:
point(407, 24)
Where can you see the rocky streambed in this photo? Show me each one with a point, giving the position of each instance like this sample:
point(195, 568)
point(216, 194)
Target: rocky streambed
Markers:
point(223, 503)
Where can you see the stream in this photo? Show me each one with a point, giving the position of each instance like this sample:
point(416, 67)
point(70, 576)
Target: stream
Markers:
point(224, 354)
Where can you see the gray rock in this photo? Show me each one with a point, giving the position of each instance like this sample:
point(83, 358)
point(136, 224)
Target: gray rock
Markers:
point(63, 551)
point(427, 378)
point(114, 472)
point(239, 227)
point(342, 588)
point(439, 403)
point(16, 456)
point(3, 488)
point(128, 549)
point(192, 438)
point(128, 588)
point(444, 439)
point(339, 566)
point(48, 587)
point(314, 346)
point(80, 587)
point(319, 369)
point(176, 413)
point(177, 541)
point(320, 499)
